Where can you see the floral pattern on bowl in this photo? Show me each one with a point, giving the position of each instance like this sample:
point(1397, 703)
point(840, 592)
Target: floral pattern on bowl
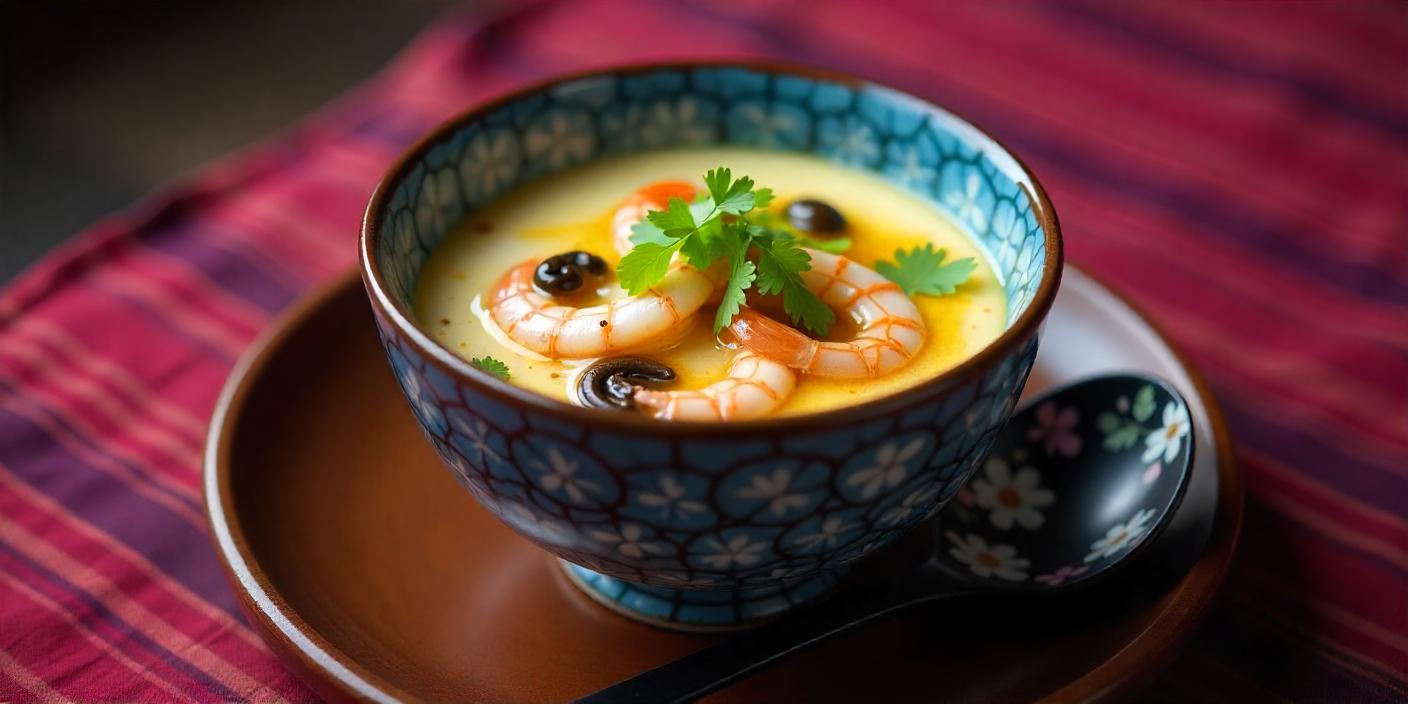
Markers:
point(752, 509)
point(993, 533)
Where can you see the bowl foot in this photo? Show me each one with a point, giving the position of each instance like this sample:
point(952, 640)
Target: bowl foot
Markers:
point(692, 609)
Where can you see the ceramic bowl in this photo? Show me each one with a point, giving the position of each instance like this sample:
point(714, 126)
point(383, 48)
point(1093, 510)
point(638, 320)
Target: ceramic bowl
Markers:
point(710, 525)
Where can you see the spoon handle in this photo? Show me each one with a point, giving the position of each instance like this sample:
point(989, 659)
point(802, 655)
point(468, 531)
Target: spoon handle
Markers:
point(717, 666)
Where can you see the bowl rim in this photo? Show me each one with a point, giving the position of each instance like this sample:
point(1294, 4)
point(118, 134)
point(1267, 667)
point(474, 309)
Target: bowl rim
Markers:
point(1012, 336)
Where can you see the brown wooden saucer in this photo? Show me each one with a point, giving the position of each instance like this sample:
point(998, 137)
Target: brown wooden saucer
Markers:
point(377, 577)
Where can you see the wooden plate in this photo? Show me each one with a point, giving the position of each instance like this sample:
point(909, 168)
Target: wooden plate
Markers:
point(377, 577)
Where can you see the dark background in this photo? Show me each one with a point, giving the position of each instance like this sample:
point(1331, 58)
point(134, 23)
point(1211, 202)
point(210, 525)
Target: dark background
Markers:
point(102, 101)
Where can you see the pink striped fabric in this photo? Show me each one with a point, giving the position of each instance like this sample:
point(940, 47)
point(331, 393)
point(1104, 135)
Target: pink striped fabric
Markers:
point(1237, 170)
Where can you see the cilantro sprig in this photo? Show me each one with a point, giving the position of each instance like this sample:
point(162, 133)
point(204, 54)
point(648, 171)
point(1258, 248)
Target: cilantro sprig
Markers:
point(717, 226)
point(923, 270)
point(491, 365)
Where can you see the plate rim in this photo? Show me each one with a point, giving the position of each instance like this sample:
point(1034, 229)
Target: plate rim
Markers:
point(329, 672)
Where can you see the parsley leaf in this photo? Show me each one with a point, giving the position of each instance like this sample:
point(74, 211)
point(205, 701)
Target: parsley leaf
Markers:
point(780, 264)
point(706, 247)
point(718, 226)
point(779, 259)
point(922, 270)
point(729, 196)
point(645, 265)
point(646, 231)
point(491, 365)
point(741, 274)
point(675, 221)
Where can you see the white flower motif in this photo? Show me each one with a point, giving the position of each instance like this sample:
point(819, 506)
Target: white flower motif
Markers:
point(557, 473)
point(912, 504)
point(629, 541)
point(478, 434)
point(670, 499)
point(1012, 498)
point(857, 145)
point(1168, 440)
point(965, 203)
point(774, 490)
point(999, 560)
point(828, 536)
point(397, 263)
point(768, 127)
point(437, 195)
point(561, 140)
point(888, 470)
point(405, 235)
point(1009, 230)
point(490, 162)
point(739, 550)
point(679, 122)
point(910, 171)
point(1121, 536)
point(423, 401)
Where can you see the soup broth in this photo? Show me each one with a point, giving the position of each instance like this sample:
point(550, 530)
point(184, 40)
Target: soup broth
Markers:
point(572, 211)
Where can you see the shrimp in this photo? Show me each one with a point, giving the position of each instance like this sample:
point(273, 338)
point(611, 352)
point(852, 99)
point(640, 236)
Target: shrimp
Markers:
point(656, 196)
point(755, 386)
point(891, 329)
point(532, 320)
point(536, 322)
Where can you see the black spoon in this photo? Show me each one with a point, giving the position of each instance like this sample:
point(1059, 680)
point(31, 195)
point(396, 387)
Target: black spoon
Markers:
point(1078, 483)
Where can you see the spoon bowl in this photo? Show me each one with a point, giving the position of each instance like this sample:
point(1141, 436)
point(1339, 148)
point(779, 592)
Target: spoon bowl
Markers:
point(1078, 483)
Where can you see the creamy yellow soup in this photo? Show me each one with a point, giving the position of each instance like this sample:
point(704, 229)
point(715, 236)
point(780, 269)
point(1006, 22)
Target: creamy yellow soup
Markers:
point(572, 211)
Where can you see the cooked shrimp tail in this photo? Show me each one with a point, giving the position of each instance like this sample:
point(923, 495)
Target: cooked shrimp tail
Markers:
point(890, 328)
point(755, 387)
point(633, 209)
point(560, 331)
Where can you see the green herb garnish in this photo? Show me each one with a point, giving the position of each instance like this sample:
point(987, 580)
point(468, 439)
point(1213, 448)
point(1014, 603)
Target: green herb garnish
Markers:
point(923, 270)
point(717, 227)
point(836, 246)
point(491, 365)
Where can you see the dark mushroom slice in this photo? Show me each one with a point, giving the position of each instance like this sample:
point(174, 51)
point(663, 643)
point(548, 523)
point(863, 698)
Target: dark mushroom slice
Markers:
point(565, 274)
point(611, 383)
point(815, 217)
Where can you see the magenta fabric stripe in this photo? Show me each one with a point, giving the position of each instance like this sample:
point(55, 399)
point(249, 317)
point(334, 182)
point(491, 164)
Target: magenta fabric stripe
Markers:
point(128, 636)
point(178, 546)
point(1326, 96)
point(169, 360)
point(180, 238)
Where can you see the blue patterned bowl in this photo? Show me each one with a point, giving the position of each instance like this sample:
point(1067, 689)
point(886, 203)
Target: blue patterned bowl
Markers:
point(705, 525)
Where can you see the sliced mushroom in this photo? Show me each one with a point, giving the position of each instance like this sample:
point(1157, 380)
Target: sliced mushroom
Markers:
point(815, 217)
point(565, 274)
point(611, 383)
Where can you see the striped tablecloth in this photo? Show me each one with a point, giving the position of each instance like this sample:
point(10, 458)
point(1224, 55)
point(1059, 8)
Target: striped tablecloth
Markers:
point(1239, 170)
